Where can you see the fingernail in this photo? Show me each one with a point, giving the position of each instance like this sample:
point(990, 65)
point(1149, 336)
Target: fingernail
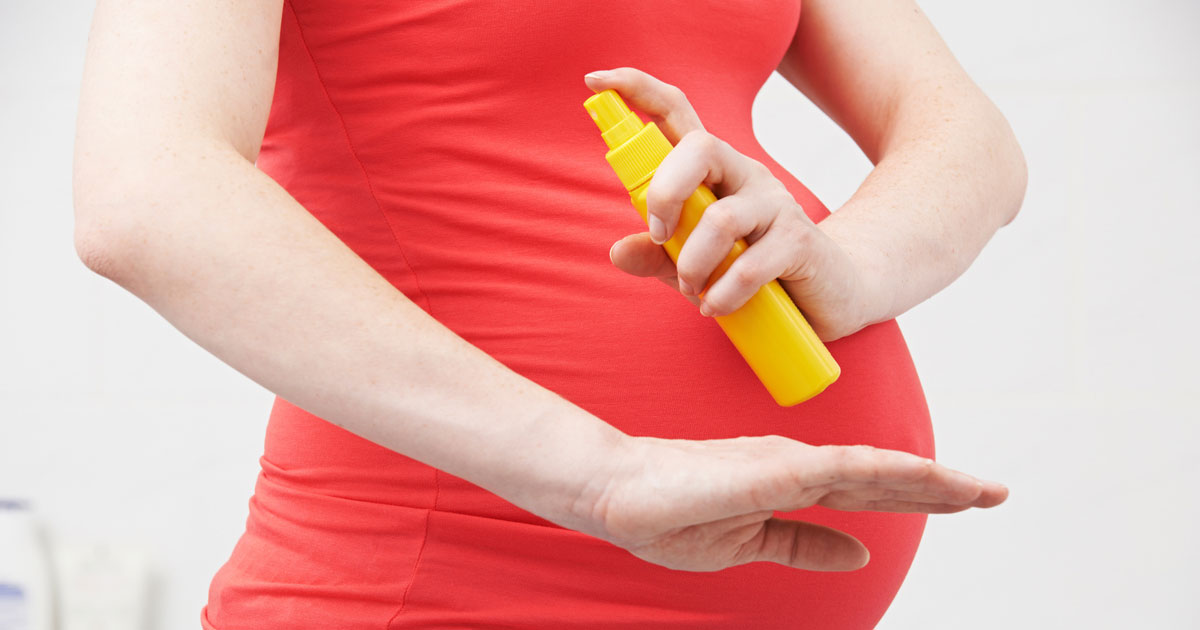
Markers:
point(658, 231)
point(610, 251)
point(598, 74)
point(684, 287)
point(705, 310)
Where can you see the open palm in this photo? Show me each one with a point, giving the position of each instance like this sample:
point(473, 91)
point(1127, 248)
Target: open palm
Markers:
point(707, 505)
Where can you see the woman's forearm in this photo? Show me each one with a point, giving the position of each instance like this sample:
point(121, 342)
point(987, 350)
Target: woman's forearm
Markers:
point(235, 263)
point(951, 173)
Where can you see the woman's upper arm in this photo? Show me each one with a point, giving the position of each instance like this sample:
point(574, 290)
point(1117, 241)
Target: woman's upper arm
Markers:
point(868, 63)
point(163, 77)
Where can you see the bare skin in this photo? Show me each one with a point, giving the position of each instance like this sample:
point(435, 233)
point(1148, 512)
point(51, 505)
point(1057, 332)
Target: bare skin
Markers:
point(169, 205)
point(948, 174)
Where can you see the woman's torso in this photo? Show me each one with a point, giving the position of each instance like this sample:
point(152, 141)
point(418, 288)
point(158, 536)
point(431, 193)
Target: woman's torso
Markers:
point(446, 143)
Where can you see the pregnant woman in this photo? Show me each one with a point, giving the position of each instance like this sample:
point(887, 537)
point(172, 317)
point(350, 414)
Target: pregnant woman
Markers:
point(397, 217)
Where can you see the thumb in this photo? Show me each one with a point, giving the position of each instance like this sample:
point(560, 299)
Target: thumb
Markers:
point(807, 546)
point(638, 255)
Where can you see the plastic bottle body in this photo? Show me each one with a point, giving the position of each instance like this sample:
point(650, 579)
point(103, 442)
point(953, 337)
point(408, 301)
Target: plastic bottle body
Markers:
point(769, 331)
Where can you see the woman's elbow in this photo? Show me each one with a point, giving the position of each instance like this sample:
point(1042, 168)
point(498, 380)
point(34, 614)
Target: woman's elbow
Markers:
point(104, 201)
point(93, 252)
point(1013, 171)
point(93, 245)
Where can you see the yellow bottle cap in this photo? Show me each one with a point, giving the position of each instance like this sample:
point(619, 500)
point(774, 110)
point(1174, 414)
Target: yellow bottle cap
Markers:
point(635, 148)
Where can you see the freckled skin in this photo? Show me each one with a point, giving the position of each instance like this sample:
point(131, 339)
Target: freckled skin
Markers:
point(948, 174)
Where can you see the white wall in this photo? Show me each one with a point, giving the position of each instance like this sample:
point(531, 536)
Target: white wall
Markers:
point(120, 428)
point(1061, 363)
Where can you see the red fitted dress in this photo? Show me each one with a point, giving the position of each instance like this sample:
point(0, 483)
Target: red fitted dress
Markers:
point(447, 144)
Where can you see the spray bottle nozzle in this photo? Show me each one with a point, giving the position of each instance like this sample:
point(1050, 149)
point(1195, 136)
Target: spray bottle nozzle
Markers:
point(616, 121)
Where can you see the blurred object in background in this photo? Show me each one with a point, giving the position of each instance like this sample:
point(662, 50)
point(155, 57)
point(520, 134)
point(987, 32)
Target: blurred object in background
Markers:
point(102, 586)
point(25, 598)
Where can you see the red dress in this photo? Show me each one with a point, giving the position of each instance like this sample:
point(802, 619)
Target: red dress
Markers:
point(447, 144)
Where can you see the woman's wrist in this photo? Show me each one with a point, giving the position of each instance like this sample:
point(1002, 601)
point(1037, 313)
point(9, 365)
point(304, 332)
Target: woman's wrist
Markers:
point(873, 295)
point(557, 465)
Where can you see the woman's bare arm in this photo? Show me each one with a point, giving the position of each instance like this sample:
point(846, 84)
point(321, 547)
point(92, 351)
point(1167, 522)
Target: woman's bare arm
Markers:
point(948, 170)
point(170, 206)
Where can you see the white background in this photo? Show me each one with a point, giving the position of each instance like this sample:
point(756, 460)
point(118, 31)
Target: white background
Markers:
point(1063, 362)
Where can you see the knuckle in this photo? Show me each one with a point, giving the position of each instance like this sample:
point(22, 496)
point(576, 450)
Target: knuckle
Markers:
point(796, 231)
point(853, 454)
point(702, 142)
point(840, 456)
point(685, 270)
point(746, 274)
point(782, 197)
point(694, 137)
point(709, 143)
point(723, 219)
point(676, 95)
point(776, 441)
point(694, 278)
point(760, 169)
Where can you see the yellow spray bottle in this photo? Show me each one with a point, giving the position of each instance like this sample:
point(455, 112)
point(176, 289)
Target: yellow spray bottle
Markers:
point(769, 331)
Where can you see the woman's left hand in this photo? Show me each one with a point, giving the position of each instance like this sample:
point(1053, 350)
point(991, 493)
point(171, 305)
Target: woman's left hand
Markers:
point(783, 242)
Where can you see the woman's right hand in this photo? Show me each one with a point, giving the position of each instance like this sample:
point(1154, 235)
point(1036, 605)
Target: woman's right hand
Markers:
point(707, 505)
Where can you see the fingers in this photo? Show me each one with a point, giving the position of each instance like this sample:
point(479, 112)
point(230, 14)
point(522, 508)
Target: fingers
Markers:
point(867, 464)
point(804, 545)
point(698, 158)
point(724, 222)
point(993, 494)
point(889, 500)
point(772, 255)
point(664, 103)
point(636, 254)
point(849, 468)
point(912, 507)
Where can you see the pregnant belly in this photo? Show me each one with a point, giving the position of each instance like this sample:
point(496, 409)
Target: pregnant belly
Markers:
point(649, 364)
point(641, 357)
point(346, 532)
